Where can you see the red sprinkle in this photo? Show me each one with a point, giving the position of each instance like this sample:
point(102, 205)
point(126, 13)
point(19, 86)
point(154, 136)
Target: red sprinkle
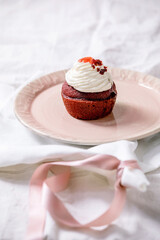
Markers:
point(102, 71)
point(97, 62)
point(86, 59)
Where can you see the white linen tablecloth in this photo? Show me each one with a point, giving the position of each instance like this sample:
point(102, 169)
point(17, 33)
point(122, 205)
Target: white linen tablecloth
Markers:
point(38, 37)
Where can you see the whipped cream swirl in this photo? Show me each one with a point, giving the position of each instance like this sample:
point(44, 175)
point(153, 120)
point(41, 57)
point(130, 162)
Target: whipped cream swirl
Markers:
point(84, 78)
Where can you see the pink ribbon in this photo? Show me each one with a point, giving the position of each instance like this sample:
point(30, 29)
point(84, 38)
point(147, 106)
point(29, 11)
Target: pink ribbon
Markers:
point(40, 202)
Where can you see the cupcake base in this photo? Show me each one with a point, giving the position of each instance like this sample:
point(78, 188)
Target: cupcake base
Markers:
point(88, 109)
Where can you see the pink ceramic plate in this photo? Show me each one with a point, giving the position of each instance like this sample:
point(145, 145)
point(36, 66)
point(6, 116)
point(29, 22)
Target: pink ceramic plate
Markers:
point(136, 113)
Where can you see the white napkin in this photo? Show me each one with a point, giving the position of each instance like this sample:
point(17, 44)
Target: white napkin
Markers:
point(30, 155)
point(134, 178)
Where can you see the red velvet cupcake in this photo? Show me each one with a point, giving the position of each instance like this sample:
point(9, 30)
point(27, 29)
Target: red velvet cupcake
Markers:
point(89, 92)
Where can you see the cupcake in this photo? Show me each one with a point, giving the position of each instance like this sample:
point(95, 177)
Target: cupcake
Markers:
point(89, 91)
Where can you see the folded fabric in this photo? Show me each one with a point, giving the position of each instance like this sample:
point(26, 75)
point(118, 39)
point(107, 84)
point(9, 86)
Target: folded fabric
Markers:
point(131, 178)
point(134, 178)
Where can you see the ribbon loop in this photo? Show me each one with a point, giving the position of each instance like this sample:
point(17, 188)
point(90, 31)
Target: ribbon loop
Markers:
point(43, 197)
